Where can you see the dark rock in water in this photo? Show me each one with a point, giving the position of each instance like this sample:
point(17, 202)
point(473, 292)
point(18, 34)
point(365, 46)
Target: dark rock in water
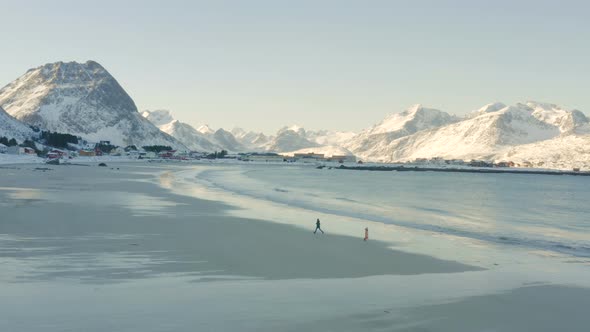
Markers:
point(102, 165)
point(52, 162)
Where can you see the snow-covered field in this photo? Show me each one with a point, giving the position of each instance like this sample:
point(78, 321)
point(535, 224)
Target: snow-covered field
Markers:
point(19, 159)
point(227, 246)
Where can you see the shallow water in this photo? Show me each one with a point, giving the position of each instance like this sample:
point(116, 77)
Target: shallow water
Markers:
point(532, 211)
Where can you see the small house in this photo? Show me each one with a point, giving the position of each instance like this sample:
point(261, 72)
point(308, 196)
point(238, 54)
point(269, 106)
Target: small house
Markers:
point(59, 153)
point(87, 153)
point(167, 154)
point(3, 148)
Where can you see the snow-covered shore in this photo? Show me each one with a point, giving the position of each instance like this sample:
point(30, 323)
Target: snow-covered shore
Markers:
point(7, 159)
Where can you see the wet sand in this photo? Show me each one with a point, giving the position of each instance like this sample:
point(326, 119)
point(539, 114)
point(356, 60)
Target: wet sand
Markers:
point(94, 249)
point(77, 214)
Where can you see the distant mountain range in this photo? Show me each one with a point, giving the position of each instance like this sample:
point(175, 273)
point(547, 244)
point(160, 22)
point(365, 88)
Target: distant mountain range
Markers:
point(85, 100)
point(489, 133)
point(287, 139)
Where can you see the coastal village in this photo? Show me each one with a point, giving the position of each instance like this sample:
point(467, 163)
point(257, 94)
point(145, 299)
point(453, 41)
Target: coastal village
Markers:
point(79, 149)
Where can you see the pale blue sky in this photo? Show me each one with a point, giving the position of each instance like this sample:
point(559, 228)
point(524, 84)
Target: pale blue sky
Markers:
point(321, 64)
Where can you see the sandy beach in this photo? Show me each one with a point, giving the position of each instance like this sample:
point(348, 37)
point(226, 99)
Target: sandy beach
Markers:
point(113, 248)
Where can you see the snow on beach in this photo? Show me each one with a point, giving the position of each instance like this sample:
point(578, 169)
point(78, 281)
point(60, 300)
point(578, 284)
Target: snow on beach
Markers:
point(19, 159)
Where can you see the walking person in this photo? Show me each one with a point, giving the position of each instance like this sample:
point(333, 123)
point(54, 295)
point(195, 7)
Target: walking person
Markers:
point(317, 226)
point(366, 233)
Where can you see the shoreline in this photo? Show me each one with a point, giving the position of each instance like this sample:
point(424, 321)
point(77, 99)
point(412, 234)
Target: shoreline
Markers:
point(11, 160)
point(459, 170)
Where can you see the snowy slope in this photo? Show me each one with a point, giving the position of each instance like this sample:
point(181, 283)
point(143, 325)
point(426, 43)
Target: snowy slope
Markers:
point(563, 152)
point(81, 99)
point(372, 143)
point(482, 136)
point(12, 128)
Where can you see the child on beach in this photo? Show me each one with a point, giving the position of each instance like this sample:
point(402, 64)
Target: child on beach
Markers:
point(366, 233)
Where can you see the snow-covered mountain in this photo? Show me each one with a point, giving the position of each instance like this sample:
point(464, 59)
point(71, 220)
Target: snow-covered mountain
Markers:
point(227, 141)
point(289, 139)
point(372, 143)
point(485, 136)
point(206, 130)
point(82, 99)
point(330, 138)
point(204, 138)
point(12, 128)
point(222, 139)
point(294, 138)
point(251, 140)
point(566, 121)
point(85, 100)
point(183, 132)
point(189, 136)
point(489, 108)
